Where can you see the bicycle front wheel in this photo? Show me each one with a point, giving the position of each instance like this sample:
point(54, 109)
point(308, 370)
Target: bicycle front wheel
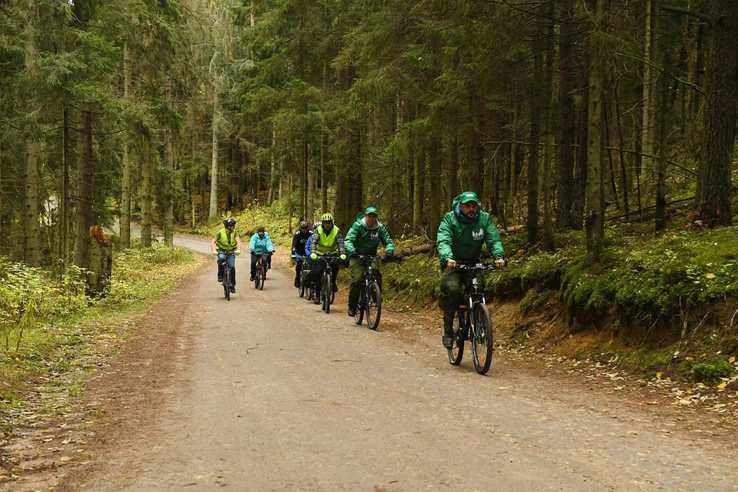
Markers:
point(325, 292)
point(257, 277)
point(227, 285)
point(263, 278)
point(373, 306)
point(482, 339)
point(456, 352)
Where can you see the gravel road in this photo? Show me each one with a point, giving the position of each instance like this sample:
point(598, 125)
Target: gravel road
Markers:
point(266, 392)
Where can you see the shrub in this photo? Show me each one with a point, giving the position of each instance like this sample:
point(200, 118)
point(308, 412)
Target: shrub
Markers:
point(711, 372)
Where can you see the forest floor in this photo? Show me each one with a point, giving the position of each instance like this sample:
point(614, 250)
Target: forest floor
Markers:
point(269, 391)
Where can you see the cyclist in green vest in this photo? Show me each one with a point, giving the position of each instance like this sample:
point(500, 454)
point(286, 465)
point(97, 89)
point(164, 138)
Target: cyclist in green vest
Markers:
point(326, 239)
point(363, 239)
point(225, 241)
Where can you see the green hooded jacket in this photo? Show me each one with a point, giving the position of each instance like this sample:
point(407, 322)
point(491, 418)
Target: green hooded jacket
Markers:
point(461, 238)
point(364, 241)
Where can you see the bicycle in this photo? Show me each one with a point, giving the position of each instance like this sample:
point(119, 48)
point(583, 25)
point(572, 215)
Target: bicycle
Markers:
point(227, 275)
point(259, 273)
point(477, 327)
point(370, 296)
point(327, 296)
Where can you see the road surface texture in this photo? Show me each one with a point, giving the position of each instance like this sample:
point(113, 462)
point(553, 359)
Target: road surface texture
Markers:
point(267, 392)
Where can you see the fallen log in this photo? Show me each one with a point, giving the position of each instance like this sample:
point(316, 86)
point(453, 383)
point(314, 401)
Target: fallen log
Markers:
point(413, 250)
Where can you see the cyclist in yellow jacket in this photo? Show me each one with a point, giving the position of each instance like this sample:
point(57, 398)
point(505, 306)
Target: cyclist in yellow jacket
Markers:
point(227, 241)
point(326, 239)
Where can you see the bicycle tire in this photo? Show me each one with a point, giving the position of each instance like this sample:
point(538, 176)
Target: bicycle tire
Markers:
point(301, 289)
point(456, 352)
point(359, 314)
point(482, 339)
point(325, 292)
point(257, 277)
point(263, 278)
point(373, 306)
point(227, 284)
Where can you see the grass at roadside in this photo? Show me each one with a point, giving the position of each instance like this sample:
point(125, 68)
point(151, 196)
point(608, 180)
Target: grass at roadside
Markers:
point(48, 326)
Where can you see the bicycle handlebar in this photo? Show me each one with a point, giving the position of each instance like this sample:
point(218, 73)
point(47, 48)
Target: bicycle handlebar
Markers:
point(479, 267)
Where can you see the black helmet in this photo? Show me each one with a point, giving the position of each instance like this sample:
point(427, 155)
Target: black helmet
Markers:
point(303, 224)
point(229, 222)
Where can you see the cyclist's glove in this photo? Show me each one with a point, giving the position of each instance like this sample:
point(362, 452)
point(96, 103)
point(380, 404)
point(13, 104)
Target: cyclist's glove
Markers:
point(313, 256)
point(500, 262)
point(343, 257)
point(238, 252)
point(450, 263)
point(215, 253)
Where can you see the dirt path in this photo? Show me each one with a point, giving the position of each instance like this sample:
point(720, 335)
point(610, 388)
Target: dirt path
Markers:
point(268, 392)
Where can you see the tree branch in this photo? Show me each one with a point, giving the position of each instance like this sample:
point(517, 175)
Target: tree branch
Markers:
point(680, 10)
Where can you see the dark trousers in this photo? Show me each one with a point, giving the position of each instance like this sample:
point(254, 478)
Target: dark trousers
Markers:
point(298, 267)
point(319, 268)
point(358, 269)
point(452, 289)
point(265, 259)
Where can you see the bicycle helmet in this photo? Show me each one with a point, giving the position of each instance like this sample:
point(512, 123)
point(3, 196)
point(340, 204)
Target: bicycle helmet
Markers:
point(303, 224)
point(316, 225)
point(326, 218)
point(229, 222)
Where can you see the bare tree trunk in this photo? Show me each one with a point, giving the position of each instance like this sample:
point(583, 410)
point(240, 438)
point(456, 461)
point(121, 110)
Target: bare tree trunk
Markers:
point(125, 199)
point(660, 222)
point(323, 174)
point(647, 138)
point(548, 241)
point(147, 200)
point(168, 191)
point(310, 187)
point(624, 183)
point(64, 208)
point(434, 198)
point(538, 107)
point(32, 246)
point(718, 136)
point(273, 168)
point(566, 123)
point(85, 171)
point(213, 215)
point(595, 206)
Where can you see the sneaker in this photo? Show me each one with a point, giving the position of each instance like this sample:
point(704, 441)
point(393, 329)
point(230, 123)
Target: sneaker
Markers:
point(334, 288)
point(448, 340)
point(297, 283)
point(352, 312)
point(233, 290)
point(316, 300)
point(220, 280)
point(252, 277)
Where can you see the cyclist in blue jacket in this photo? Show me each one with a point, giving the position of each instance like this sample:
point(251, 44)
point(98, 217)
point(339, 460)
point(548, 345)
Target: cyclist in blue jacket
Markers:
point(261, 244)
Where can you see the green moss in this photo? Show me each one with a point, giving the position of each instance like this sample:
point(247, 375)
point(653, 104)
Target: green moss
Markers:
point(532, 300)
point(711, 372)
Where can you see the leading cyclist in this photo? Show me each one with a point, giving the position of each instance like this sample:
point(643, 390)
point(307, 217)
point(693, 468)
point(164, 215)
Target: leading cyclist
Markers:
point(226, 241)
point(326, 239)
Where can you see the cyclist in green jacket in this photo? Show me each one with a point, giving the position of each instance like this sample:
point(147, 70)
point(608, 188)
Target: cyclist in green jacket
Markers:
point(461, 235)
point(363, 239)
point(225, 241)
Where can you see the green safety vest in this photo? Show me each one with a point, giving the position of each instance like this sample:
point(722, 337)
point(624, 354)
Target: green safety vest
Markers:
point(226, 243)
point(327, 244)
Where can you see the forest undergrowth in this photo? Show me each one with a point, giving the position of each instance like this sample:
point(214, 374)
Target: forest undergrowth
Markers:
point(47, 325)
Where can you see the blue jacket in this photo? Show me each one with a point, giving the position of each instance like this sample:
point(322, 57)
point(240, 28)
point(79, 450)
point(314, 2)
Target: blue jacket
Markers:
point(260, 246)
point(307, 245)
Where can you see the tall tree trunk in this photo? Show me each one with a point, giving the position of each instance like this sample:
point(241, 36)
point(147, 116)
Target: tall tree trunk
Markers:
point(64, 210)
point(624, 183)
point(548, 239)
point(474, 178)
point(85, 171)
point(718, 136)
point(168, 191)
point(595, 193)
point(32, 244)
point(567, 119)
point(660, 222)
point(147, 201)
point(453, 169)
point(125, 199)
point(273, 167)
point(323, 174)
point(213, 215)
point(537, 108)
point(580, 176)
point(647, 132)
point(310, 186)
point(434, 198)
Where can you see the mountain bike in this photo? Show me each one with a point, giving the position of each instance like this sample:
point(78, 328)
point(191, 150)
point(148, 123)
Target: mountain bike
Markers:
point(227, 275)
point(260, 272)
point(370, 296)
point(472, 322)
point(327, 296)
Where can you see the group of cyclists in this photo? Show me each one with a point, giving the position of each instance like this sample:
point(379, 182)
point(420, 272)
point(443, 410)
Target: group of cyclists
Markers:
point(461, 235)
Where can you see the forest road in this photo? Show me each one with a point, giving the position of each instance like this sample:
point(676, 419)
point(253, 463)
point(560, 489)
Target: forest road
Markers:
point(267, 392)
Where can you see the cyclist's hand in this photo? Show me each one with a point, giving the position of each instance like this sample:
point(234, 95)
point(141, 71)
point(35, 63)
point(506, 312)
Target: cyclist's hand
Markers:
point(238, 252)
point(388, 256)
point(354, 255)
point(450, 263)
point(343, 257)
point(313, 256)
point(215, 253)
point(500, 262)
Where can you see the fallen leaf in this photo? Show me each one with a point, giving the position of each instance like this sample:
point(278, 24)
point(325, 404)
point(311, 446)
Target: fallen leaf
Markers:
point(709, 275)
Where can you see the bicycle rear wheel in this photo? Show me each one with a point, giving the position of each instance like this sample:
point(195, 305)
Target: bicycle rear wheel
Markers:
point(482, 339)
point(456, 352)
point(373, 306)
point(325, 292)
